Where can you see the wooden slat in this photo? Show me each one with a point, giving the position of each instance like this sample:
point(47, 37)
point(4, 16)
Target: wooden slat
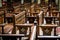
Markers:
point(27, 25)
point(48, 36)
point(12, 35)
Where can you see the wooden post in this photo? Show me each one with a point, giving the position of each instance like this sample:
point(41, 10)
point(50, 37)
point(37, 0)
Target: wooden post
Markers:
point(38, 1)
point(14, 29)
point(22, 1)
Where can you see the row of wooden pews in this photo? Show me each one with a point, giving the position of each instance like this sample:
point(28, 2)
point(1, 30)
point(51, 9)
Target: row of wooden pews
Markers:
point(44, 22)
point(33, 26)
point(48, 27)
point(18, 24)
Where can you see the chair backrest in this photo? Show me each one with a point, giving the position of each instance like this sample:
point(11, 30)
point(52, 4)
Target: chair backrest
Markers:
point(20, 18)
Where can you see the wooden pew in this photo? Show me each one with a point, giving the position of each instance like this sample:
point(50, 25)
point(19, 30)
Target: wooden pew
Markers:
point(47, 31)
point(16, 36)
point(54, 14)
point(9, 26)
point(19, 35)
point(4, 28)
point(19, 26)
point(28, 25)
point(23, 29)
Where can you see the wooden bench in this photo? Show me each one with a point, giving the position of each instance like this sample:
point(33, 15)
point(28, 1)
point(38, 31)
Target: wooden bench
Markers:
point(32, 35)
point(23, 28)
point(47, 30)
point(4, 28)
point(14, 36)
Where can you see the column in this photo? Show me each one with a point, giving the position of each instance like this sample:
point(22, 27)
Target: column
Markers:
point(0, 3)
point(56, 1)
point(32, 1)
point(46, 1)
point(22, 1)
point(59, 5)
point(35, 1)
point(38, 1)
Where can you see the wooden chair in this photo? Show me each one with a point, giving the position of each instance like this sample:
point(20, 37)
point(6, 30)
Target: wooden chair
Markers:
point(46, 29)
point(22, 29)
point(49, 21)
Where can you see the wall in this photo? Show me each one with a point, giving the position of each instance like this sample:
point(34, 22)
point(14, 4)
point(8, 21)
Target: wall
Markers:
point(22, 1)
point(59, 5)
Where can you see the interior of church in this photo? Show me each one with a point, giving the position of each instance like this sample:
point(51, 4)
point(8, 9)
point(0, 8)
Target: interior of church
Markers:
point(29, 19)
